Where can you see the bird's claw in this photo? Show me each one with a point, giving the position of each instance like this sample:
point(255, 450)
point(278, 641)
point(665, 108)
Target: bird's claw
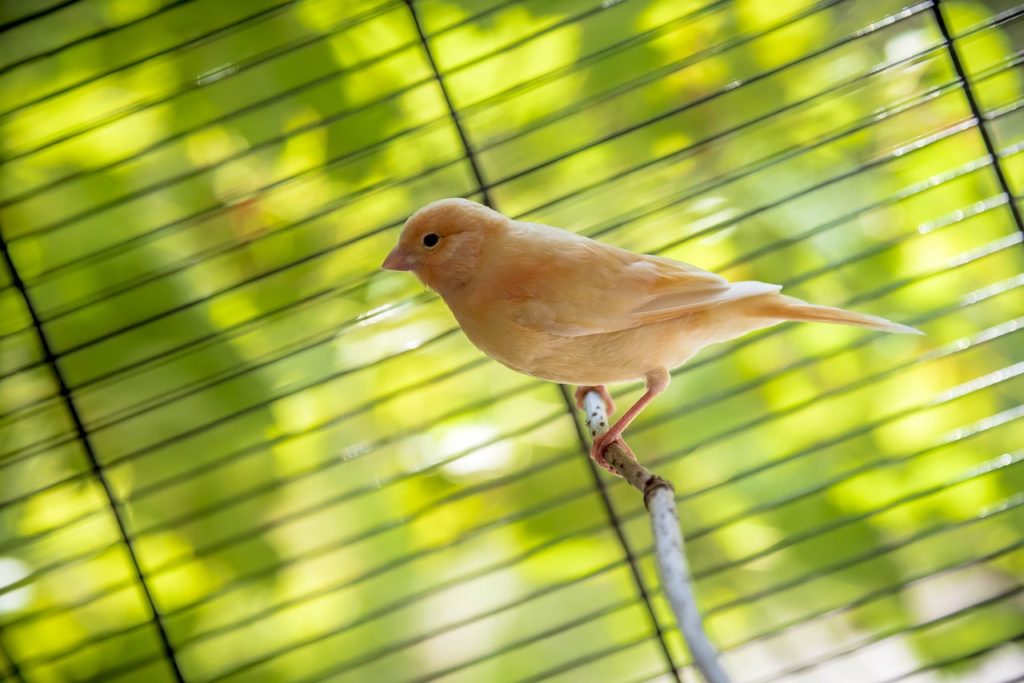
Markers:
point(601, 443)
point(609, 404)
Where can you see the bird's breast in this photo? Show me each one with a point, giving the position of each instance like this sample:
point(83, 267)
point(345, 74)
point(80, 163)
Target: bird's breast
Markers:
point(493, 331)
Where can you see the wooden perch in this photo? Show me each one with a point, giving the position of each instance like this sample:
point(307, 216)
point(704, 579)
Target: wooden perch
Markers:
point(676, 581)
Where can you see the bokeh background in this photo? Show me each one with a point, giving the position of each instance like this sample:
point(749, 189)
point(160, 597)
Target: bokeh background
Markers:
point(310, 474)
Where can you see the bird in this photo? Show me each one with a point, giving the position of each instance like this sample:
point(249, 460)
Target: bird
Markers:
point(566, 308)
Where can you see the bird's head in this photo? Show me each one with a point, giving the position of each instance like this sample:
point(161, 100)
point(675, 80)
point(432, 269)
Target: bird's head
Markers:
point(443, 243)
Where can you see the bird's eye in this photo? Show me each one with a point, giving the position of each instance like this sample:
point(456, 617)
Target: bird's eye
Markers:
point(431, 239)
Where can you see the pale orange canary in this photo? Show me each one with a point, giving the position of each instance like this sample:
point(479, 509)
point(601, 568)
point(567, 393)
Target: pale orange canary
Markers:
point(569, 309)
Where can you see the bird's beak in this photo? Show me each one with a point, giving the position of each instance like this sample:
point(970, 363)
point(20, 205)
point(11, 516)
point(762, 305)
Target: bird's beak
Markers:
point(398, 259)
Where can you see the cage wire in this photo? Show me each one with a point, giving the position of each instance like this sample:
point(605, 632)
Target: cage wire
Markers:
point(231, 449)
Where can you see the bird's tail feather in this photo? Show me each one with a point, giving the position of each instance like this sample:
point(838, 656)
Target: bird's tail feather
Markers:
point(790, 308)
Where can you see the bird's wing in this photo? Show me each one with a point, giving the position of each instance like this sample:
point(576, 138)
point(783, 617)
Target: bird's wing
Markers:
point(571, 286)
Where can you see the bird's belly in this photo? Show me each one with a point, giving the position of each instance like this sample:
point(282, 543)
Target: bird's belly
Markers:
point(620, 356)
point(590, 359)
point(512, 345)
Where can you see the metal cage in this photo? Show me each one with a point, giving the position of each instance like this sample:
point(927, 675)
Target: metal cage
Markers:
point(232, 449)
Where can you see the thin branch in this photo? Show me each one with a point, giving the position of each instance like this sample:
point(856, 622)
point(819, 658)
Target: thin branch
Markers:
point(676, 580)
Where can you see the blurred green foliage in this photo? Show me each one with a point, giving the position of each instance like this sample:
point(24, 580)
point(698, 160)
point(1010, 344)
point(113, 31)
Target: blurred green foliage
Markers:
point(321, 475)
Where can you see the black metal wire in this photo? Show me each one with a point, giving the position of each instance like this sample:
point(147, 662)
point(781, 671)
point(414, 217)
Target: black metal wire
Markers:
point(883, 634)
point(336, 203)
point(145, 451)
point(957, 659)
point(170, 5)
point(543, 545)
point(245, 495)
point(451, 497)
point(257, 17)
point(467, 148)
point(326, 548)
point(97, 470)
point(240, 497)
point(831, 526)
point(343, 373)
point(219, 206)
point(589, 658)
point(585, 618)
point(968, 90)
point(919, 142)
point(39, 14)
point(305, 343)
point(729, 88)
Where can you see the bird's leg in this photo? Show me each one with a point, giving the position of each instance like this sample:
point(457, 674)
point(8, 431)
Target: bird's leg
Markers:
point(656, 383)
point(609, 404)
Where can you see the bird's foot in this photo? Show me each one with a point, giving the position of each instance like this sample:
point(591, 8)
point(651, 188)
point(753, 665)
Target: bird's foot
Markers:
point(602, 442)
point(609, 404)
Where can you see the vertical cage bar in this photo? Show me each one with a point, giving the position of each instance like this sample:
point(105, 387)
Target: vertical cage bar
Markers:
point(978, 114)
point(97, 469)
